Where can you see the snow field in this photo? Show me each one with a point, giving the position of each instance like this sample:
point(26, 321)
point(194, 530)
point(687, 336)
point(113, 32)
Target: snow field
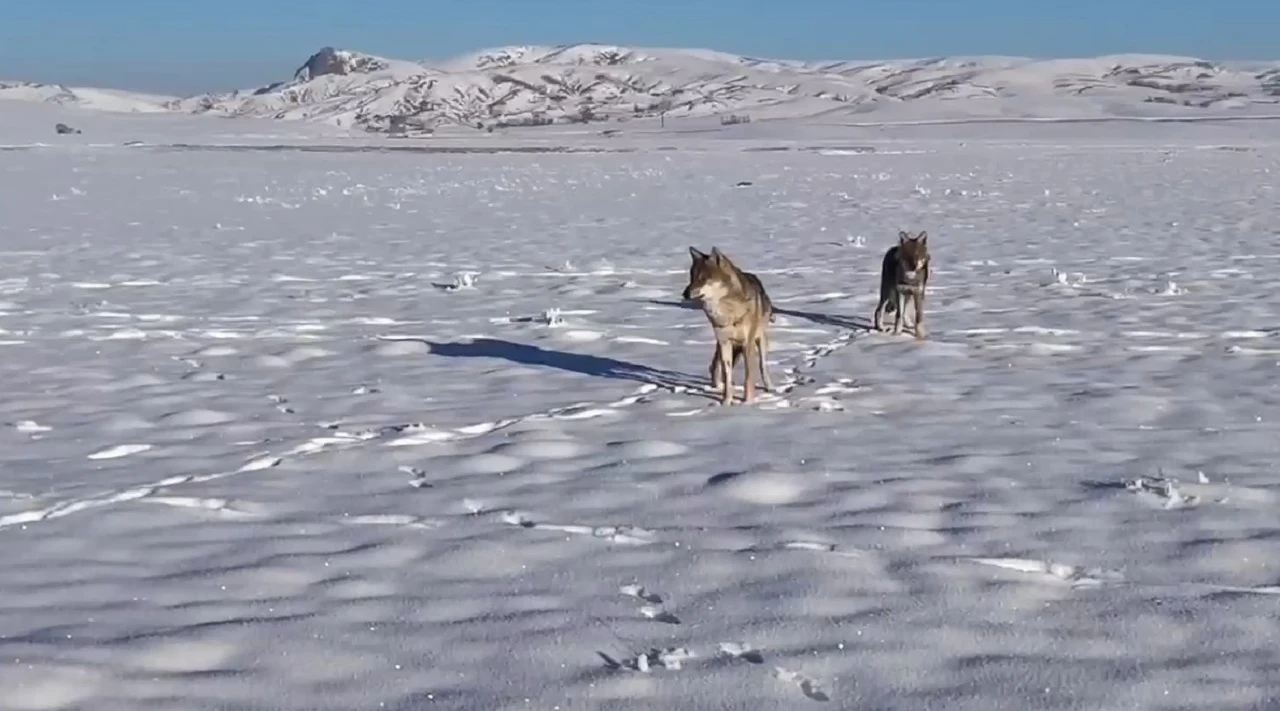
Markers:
point(324, 431)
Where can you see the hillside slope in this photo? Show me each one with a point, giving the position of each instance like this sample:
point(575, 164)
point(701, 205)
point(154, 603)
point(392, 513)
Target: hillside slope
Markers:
point(86, 98)
point(537, 85)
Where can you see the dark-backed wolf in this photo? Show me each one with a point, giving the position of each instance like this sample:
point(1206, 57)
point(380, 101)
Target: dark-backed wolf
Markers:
point(740, 311)
point(904, 274)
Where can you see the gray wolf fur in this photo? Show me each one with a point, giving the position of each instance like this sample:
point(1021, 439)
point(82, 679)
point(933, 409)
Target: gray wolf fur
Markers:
point(904, 275)
point(740, 312)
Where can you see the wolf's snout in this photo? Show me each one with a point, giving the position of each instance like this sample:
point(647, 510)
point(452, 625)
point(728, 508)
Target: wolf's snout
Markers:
point(687, 294)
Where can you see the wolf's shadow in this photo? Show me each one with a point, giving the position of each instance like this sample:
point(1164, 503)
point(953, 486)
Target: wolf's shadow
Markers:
point(853, 323)
point(582, 363)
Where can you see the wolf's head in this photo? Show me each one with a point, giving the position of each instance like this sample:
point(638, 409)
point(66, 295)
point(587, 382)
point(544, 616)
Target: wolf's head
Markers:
point(710, 275)
point(913, 254)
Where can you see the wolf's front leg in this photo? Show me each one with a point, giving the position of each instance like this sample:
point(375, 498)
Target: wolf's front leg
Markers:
point(762, 354)
point(897, 314)
point(919, 304)
point(715, 367)
point(726, 369)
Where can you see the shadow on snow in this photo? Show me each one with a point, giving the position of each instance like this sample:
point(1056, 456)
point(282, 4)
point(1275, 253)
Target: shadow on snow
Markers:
point(582, 363)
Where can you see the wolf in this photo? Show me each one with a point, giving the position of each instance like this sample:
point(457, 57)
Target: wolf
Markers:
point(904, 274)
point(740, 312)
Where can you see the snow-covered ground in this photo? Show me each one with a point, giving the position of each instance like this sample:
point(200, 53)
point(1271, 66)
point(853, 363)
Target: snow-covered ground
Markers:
point(31, 125)
point(306, 430)
point(28, 126)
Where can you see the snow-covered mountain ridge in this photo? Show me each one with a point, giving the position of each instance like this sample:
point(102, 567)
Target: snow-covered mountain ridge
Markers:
point(87, 98)
point(535, 85)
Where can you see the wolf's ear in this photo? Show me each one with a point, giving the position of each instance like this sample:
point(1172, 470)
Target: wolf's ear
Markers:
point(903, 237)
point(923, 237)
point(717, 256)
point(697, 255)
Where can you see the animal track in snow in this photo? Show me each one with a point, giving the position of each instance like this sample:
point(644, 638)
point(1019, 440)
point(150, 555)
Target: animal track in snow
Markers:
point(839, 386)
point(29, 427)
point(419, 480)
point(659, 613)
point(415, 434)
point(653, 608)
point(827, 397)
point(461, 281)
point(627, 535)
point(671, 658)
point(1173, 494)
point(807, 686)
point(674, 658)
point(67, 508)
point(1079, 577)
point(245, 510)
point(391, 520)
point(817, 353)
point(1054, 572)
point(281, 404)
point(819, 547)
point(219, 506)
point(120, 450)
point(741, 650)
point(640, 593)
point(1165, 490)
point(553, 318)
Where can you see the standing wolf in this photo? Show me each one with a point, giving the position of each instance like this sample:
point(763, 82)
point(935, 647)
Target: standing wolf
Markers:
point(904, 274)
point(739, 310)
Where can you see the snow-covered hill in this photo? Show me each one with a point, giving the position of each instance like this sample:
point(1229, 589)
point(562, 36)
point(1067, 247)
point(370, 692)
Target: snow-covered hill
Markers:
point(590, 82)
point(86, 98)
point(537, 85)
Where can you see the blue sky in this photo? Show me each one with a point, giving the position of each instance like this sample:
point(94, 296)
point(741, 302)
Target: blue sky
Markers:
point(193, 46)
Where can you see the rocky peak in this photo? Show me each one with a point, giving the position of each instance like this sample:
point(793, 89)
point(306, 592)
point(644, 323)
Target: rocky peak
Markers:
point(335, 61)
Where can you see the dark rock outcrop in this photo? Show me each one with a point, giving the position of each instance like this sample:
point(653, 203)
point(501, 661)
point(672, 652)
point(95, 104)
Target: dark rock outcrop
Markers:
point(332, 61)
